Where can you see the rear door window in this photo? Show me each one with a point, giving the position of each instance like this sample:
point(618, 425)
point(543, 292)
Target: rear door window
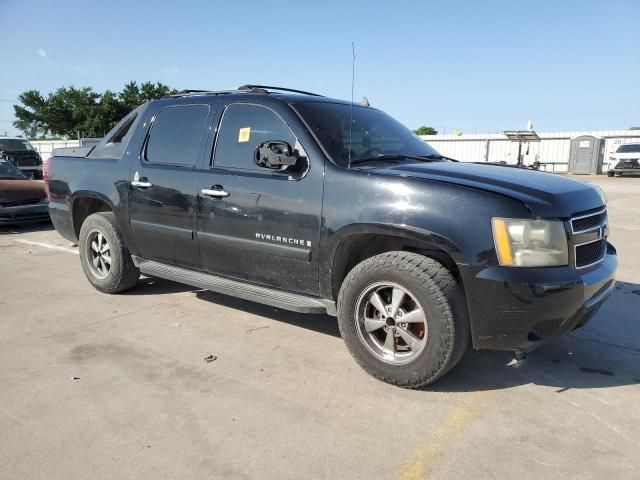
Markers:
point(176, 135)
point(242, 129)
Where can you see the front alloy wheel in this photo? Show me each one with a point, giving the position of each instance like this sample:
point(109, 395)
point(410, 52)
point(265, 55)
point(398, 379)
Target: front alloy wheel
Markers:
point(391, 323)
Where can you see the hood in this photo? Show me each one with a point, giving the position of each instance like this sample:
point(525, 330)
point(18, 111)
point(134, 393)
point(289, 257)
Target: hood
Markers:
point(546, 195)
point(18, 191)
point(625, 156)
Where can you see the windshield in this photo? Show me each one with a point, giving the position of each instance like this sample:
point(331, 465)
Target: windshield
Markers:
point(373, 133)
point(9, 172)
point(15, 145)
point(635, 148)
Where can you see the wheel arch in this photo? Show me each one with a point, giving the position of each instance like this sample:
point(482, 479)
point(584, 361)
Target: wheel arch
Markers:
point(354, 244)
point(85, 203)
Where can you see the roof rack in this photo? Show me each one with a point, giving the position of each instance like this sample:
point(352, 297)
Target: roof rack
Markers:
point(258, 89)
point(280, 89)
point(185, 93)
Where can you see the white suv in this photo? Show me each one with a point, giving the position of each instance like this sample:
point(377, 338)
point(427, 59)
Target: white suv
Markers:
point(626, 159)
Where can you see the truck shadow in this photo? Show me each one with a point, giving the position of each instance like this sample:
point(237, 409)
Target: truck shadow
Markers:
point(317, 322)
point(158, 286)
point(605, 353)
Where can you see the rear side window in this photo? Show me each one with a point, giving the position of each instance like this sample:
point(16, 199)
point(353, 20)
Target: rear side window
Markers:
point(123, 130)
point(242, 129)
point(114, 143)
point(176, 135)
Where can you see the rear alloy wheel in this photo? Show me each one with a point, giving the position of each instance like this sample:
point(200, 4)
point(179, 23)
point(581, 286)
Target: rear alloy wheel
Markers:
point(100, 254)
point(403, 318)
point(105, 258)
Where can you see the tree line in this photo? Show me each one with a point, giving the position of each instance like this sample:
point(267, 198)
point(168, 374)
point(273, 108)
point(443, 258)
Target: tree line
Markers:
point(70, 111)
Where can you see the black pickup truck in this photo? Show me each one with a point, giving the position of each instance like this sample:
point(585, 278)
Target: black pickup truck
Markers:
point(318, 205)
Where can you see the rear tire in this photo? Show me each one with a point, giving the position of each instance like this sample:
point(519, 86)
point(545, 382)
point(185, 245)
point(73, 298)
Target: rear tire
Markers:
point(368, 313)
point(611, 174)
point(105, 258)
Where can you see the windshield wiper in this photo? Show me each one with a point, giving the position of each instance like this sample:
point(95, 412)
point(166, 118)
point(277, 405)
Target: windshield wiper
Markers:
point(437, 156)
point(397, 156)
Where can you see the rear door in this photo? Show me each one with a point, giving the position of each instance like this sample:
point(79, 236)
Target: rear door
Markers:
point(260, 225)
point(163, 185)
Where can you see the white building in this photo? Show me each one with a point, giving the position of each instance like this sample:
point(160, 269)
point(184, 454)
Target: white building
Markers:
point(45, 147)
point(552, 151)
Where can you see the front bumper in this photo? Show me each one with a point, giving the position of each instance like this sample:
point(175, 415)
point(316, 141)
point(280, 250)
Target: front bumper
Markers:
point(36, 212)
point(635, 171)
point(516, 309)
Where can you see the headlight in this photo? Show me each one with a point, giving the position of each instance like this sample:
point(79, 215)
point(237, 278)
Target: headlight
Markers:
point(530, 243)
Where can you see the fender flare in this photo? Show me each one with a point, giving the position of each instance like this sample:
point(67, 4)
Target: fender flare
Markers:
point(84, 194)
point(421, 238)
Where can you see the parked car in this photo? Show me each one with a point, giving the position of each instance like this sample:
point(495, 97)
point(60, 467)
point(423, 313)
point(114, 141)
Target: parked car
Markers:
point(21, 153)
point(21, 199)
point(626, 159)
point(318, 205)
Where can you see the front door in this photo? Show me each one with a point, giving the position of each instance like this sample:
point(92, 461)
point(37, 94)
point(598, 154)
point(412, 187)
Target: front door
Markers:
point(256, 223)
point(163, 186)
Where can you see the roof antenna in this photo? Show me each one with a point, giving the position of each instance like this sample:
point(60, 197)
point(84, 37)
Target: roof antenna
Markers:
point(353, 78)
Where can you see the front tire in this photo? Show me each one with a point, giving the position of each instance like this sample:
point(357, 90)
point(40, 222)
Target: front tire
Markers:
point(611, 174)
point(403, 318)
point(105, 258)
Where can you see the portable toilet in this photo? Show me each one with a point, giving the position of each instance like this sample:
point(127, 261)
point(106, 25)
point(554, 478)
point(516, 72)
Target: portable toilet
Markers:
point(586, 155)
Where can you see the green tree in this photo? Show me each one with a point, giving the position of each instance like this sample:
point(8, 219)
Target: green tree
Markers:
point(133, 95)
point(70, 111)
point(31, 114)
point(424, 130)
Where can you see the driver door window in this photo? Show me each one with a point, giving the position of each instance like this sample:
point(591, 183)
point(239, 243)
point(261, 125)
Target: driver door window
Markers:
point(242, 129)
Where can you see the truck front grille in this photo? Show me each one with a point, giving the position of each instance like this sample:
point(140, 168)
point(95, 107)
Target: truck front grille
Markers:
point(589, 232)
point(30, 201)
point(590, 221)
point(587, 254)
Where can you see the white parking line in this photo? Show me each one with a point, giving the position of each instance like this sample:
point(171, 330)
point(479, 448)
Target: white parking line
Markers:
point(47, 245)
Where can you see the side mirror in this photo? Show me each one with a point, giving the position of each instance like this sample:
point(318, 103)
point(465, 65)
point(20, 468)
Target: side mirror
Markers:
point(276, 155)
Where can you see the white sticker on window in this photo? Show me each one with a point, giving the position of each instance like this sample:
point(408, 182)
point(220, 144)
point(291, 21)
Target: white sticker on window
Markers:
point(584, 144)
point(244, 134)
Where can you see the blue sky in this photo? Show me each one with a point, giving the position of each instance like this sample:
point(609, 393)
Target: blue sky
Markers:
point(485, 66)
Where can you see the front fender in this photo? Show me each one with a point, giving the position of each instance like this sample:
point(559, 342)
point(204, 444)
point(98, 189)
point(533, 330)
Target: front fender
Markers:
point(426, 238)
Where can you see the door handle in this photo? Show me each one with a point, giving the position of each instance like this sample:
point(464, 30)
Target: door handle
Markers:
point(141, 182)
point(217, 192)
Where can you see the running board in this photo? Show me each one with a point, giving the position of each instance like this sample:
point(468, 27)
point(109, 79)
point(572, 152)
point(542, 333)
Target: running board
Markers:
point(247, 291)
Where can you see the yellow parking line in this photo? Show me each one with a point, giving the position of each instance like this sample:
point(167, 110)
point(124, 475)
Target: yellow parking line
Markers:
point(424, 459)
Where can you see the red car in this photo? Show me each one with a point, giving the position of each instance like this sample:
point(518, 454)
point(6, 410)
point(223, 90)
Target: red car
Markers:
point(21, 199)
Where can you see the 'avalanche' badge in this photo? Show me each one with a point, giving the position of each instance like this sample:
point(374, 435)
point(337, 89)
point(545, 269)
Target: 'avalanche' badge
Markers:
point(244, 134)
